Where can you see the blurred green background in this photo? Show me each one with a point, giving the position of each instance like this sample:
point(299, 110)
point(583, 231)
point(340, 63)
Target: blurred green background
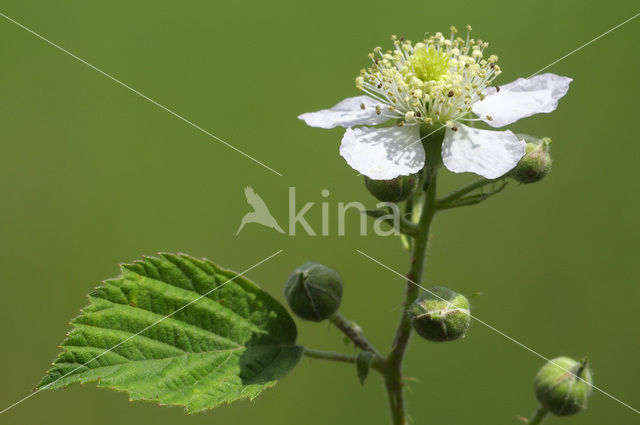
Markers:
point(92, 175)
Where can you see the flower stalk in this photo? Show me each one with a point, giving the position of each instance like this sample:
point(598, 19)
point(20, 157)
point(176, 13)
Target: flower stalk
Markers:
point(376, 363)
point(540, 414)
point(464, 190)
point(328, 355)
point(405, 226)
point(393, 375)
point(354, 334)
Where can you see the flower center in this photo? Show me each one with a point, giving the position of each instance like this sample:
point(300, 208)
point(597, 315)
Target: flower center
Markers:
point(433, 81)
point(429, 65)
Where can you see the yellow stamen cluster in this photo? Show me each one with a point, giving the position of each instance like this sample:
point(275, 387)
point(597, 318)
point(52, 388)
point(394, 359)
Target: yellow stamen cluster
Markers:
point(434, 81)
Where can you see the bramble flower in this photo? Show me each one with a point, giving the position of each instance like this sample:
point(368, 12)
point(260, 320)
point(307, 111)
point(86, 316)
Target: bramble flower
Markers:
point(437, 83)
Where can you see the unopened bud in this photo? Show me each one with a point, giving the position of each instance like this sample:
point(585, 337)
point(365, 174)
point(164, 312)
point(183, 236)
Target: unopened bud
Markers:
point(314, 291)
point(440, 315)
point(536, 162)
point(563, 386)
point(394, 190)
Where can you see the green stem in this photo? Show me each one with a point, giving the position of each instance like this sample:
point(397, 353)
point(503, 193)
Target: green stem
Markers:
point(457, 194)
point(353, 334)
point(466, 201)
point(377, 363)
point(393, 372)
point(539, 416)
point(328, 355)
point(406, 227)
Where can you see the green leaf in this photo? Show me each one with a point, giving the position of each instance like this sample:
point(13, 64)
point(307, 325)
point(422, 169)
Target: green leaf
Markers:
point(228, 345)
point(363, 364)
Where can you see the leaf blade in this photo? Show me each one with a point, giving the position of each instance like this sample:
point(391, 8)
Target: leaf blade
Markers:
point(179, 331)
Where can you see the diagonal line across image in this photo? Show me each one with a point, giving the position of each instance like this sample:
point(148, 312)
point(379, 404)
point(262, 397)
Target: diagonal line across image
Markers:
point(114, 79)
point(499, 332)
point(141, 331)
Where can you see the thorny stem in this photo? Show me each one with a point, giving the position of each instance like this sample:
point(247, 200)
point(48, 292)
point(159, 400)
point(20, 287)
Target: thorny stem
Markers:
point(539, 416)
point(393, 372)
point(353, 333)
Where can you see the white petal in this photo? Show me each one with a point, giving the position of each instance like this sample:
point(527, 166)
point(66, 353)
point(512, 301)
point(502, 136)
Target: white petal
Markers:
point(347, 113)
point(383, 153)
point(487, 153)
point(522, 98)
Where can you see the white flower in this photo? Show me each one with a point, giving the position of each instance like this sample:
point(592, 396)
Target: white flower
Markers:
point(436, 83)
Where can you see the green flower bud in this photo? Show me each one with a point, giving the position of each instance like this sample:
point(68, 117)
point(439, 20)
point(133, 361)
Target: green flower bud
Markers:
point(314, 291)
point(394, 190)
point(536, 162)
point(563, 386)
point(440, 315)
